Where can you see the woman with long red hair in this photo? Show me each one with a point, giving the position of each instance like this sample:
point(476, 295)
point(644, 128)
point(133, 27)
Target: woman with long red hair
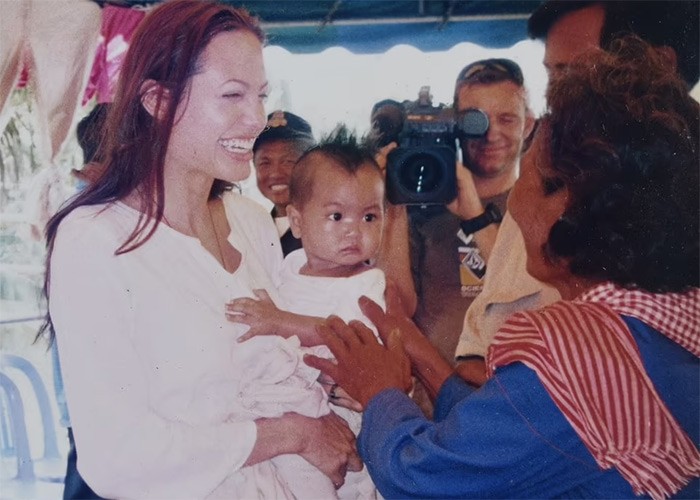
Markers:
point(141, 263)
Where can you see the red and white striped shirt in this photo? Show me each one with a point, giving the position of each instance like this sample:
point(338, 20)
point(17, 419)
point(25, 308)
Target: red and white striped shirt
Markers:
point(588, 361)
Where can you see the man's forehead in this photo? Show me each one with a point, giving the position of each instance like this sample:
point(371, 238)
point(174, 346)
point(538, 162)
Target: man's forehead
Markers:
point(573, 34)
point(503, 93)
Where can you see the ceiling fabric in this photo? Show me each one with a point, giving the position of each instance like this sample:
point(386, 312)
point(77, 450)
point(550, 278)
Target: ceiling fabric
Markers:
point(379, 36)
point(375, 26)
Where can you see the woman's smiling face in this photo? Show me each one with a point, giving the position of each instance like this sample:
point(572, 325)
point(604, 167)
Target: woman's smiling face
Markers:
point(222, 112)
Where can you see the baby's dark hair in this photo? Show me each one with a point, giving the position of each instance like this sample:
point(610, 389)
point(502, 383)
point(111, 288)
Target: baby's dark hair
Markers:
point(341, 148)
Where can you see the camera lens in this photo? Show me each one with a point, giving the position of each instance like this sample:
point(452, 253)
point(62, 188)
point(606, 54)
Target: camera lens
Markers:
point(421, 173)
point(473, 124)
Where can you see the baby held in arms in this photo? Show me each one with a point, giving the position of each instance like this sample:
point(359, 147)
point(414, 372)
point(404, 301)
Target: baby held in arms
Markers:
point(337, 209)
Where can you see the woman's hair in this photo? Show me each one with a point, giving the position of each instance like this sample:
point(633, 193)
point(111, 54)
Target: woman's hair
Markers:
point(166, 49)
point(341, 148)
point(623, 139)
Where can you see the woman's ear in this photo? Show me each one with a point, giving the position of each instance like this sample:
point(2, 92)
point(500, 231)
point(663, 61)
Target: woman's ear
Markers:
point(154, 98)
point(294, 220)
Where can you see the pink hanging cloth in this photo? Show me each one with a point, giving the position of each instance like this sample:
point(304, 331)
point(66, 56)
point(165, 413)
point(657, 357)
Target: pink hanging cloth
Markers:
point(118, 26)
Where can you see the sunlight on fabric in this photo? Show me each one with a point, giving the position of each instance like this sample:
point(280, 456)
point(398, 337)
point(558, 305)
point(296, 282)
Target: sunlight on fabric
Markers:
point(339, 86)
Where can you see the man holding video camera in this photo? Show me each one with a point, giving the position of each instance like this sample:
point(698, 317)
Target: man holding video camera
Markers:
point(451, 243)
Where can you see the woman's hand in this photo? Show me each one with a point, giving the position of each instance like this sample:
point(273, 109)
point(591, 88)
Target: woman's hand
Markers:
point(394, 321)
point(260, 313)
point(362, 366)
point(337, 395)
point(428, 365)
point(329, 445)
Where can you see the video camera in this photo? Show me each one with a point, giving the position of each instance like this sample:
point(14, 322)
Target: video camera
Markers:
point(421, 171)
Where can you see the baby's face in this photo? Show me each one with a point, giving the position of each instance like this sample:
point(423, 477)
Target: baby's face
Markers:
point(341, 224)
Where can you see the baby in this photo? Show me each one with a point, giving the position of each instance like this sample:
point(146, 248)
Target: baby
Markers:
point(337, 209)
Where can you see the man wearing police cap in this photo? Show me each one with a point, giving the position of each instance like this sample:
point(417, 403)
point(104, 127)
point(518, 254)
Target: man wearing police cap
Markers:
point(276, 151)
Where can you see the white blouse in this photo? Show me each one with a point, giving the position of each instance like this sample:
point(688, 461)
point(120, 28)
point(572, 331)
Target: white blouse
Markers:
point(146, 353)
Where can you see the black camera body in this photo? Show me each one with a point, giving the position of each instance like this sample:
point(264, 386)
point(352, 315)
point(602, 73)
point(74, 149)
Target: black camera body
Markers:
point(421, 171)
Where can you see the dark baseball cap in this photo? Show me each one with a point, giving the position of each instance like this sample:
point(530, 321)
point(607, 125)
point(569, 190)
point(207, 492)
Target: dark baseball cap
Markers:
point(284, 126)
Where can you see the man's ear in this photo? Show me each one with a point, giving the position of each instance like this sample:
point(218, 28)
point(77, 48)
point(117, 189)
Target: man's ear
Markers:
point(529, 123)
point(154, 98)
point(294, 220)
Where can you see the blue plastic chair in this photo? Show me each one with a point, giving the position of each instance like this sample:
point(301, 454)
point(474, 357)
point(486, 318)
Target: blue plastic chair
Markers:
point(18, 429)
point(42, 396)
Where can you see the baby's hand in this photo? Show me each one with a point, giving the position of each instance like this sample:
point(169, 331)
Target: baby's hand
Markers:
point(260, 313)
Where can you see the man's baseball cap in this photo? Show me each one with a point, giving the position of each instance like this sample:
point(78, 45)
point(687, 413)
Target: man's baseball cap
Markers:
point(284, 126)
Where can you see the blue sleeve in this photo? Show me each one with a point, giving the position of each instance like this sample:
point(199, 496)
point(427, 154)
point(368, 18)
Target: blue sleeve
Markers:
point(497, 441)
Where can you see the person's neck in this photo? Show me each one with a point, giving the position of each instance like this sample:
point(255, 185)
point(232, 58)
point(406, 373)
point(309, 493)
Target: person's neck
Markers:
point(279, 211)
point(334, 272)
point(574, 286)
point(186, 199)
point(488, 187)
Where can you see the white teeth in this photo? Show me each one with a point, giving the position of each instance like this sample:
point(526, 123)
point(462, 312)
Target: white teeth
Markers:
point(278, 187)
point(238, 145)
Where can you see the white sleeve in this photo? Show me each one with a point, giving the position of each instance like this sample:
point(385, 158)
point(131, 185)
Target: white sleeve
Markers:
point(126, 449)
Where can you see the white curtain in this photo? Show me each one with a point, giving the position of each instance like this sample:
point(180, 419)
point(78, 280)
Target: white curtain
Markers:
point(57, 39)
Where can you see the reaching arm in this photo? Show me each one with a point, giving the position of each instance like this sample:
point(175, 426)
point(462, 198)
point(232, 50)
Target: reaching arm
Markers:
point(506, 440)
point(394, 254)
point(395, 257)
point(265, 318)
point(357, 350)
point(426, 362)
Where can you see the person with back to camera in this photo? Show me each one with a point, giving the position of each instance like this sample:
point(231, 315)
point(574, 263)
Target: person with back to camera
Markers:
point(569, 28)
point(336, 207)
point(275, 152)
point(140, 263)
point(597, 395)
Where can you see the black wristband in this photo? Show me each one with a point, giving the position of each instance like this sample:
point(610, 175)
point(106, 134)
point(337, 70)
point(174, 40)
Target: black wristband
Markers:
point(491, 215)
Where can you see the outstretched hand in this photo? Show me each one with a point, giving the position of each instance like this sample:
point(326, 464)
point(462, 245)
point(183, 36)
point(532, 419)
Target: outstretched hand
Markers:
point(394, 321)
point(362, 366)
point(426, 362)
point(260, 313)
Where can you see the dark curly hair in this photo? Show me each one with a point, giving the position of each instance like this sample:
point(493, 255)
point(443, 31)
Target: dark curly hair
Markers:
point(623, 137)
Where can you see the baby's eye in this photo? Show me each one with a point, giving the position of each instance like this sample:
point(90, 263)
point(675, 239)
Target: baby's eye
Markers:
point(336, 216)
point(370, 217)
